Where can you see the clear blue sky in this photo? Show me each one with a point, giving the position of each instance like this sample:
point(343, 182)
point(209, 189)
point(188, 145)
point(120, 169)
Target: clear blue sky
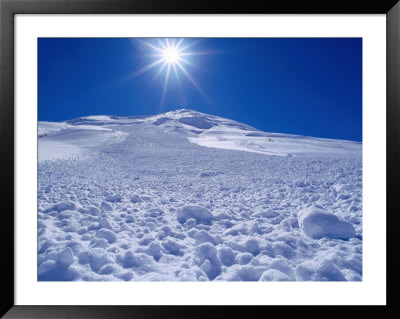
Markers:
point(306, 86)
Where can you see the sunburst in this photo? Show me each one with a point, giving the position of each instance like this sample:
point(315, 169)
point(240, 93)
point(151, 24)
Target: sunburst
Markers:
point(170, 54)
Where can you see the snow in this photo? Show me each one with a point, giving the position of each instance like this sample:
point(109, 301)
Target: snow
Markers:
point(61, 140)
point(59, 207)
point(173, 247)
point(95, 257)
point(274, 144)
point(226, 256)
point(323, 270)
point(317, 223)
point(244, 258)
point(140, 199)
point(204, 237)
point(207, 259)
point(274, 275)
point(200, 214)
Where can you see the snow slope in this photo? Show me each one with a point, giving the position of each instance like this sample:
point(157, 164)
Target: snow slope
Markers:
point(61, 140)
point(212, 131)
point(142, 199)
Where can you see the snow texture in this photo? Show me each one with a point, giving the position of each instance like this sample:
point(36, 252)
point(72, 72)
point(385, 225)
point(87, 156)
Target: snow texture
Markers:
point(187, 196)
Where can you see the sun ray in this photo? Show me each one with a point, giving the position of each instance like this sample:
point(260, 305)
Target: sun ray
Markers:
point(168, 44)
point(190, 45)
point(197, 53)
point(176, 72)
point(151, 45)
point(147, 67)
point(177, 77)
point(189, 77)
point(162, 44)
point(165, 85)
point(179, 43)
point(191, 64)
point(156, 75)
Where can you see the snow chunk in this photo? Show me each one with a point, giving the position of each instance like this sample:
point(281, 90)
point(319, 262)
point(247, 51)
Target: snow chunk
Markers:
point(129, 260)
point(65, 258)
point(107, 234)
point(200, 214)
point(106, 207)
point(46, 267)
point(104, 223)
point(226, 256)
point(209, 174)
point(204, 237)
point(136, 199)
point(206, 258)
point(252, 246)
point(113, 198)
point(99, 243)
point(96, 258)
point(126, 276)
point(59, 207)
point(173, 247)
point(281, 264)
point(274, 275)
point(250, 273)
point(90, 210)
point(244, 258)
point(323, 270)
point(317, 223)
point(190, 223)
point(138, 260)
point(154, 249)
point(107, 269)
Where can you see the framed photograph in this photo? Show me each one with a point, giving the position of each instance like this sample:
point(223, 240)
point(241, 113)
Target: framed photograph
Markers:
point(162, 154)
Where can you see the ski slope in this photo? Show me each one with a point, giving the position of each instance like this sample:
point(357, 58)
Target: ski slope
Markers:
point(187, 196)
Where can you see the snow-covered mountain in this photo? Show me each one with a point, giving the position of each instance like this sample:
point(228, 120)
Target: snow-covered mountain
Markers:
point(199, 128)
point(187, 196)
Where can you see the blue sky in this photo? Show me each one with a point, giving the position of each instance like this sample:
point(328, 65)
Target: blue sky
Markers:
point(306, 86)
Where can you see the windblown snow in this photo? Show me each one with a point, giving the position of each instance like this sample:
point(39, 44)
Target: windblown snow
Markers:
point(187, 196)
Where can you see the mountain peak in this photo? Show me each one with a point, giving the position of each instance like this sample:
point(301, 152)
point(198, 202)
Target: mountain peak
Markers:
point(184, 110)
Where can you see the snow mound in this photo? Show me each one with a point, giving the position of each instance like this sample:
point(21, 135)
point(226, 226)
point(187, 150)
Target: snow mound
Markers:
point(317, 223)
point(198, 213)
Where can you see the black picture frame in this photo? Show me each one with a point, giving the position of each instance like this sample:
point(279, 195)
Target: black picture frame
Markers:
point(8, 8)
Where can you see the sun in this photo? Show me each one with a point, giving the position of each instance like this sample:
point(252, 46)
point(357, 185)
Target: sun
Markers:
point(170, 56)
